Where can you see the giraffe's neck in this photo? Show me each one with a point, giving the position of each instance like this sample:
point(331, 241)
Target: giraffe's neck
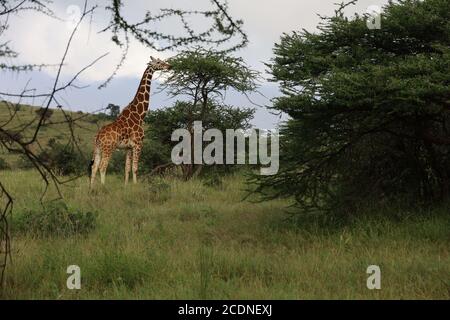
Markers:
point(140, 103)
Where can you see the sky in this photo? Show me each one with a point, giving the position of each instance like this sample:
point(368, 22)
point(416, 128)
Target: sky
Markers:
point(40, 39)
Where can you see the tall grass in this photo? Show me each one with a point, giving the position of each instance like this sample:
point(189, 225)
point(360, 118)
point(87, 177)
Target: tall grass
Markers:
point(168, 239)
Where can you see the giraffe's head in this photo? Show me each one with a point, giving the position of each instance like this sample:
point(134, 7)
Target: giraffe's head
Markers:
point(158, 64)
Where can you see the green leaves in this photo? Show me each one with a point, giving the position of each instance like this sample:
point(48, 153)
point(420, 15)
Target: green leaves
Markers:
point(369, 110)
point(201, 72)
point(55, 219)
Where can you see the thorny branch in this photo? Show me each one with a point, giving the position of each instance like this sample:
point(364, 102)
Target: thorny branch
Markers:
point(14, 141)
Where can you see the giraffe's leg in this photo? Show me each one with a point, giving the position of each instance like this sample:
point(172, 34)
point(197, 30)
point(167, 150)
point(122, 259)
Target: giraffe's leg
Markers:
point(128, 165)
point(104, 164)
point(95, 165)
point(136, 154)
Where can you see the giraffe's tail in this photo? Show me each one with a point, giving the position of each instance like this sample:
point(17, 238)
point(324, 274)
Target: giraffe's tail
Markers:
point(91, 163)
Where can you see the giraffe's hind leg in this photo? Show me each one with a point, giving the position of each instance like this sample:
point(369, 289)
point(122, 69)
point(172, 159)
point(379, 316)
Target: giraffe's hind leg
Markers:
point(106, 155)
point(95, 165)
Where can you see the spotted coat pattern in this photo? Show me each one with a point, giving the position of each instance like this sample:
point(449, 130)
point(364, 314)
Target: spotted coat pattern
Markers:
point(127, 131)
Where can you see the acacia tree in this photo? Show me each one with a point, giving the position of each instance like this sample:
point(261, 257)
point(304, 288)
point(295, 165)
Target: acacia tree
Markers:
point(114, 110)
point(182, 115)
point(204, 76)
point(369, 110)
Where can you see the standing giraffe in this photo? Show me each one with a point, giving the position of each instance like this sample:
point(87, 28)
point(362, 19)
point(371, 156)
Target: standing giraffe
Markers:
point(127, 131)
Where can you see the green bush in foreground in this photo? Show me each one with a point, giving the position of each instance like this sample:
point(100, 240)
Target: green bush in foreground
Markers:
point(55, 219)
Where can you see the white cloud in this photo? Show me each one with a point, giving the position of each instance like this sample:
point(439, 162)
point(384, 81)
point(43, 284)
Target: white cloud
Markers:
point(40, 39)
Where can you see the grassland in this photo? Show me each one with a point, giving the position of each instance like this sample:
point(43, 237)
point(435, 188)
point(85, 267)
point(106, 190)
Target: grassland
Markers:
point(25, 121)
point(191, 241)
point(169, 239)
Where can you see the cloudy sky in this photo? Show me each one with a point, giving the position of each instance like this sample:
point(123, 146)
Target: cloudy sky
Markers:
point(40, 39)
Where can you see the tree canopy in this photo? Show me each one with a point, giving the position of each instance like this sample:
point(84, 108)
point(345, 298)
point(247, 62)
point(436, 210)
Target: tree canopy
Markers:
point(202, 77)
point(206, 74)
point(369, 109)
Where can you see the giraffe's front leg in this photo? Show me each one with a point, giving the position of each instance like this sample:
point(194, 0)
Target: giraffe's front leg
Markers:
point(128, 164)
point(136, 154)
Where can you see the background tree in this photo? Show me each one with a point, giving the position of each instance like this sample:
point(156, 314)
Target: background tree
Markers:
point(44, 114)
point(114, 110)
point(63, 159)
point(182, 115)
point(204, 76)
point(369, 110)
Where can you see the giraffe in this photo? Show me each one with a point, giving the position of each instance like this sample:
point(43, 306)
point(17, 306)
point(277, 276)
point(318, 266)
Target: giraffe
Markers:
point(127, 131)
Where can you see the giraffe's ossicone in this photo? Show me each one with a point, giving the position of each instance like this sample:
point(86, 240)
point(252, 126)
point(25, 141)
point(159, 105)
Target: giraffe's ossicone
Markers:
point(127, 131)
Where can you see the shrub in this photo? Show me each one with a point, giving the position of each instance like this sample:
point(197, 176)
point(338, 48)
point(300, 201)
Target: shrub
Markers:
point(55, 219)
point(4, 165)
point(63, 159)
point(158, 189)
point(213, 181)
point(44, 113)
point(24, 163)
point(117, 162)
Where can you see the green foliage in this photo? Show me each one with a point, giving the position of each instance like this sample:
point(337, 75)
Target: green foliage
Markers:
point(154, 153)
point(95, 118)
point(158, 189)
point(250, 249)
point(4, 165)
point(369, 110)
point(182, 114)
point(117, 162)
point(203, 74)
point(44, 113)
point(162, 122)
point(114, 110)
point(64, 159)
point(24, 163)
point(54, 219)
point(213, 181)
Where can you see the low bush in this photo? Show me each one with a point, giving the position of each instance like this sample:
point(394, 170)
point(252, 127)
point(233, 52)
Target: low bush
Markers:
point(158, 189)
point(54, 219)
point(63, 159)
point(4, 165)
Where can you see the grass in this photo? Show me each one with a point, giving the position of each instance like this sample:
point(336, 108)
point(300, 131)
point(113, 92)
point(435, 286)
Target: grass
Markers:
point(189, 240)
point(25, 121)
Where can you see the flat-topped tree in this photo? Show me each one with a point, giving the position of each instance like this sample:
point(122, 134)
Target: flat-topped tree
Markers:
point(204, 76)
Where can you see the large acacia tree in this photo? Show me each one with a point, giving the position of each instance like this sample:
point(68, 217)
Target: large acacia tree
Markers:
point(369, 109)
point(203, 77)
